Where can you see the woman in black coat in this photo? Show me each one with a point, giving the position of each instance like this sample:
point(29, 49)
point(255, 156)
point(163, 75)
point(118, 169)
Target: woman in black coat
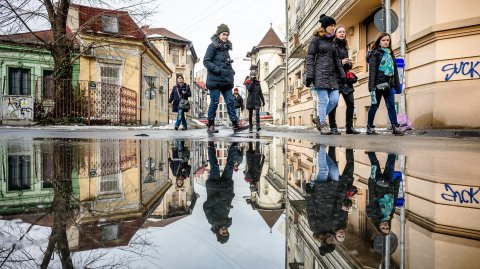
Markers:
point(220, 77)
point(382, 81)
point(346, 88)
point(255, 99)
point(180, 91)
point(323, 68)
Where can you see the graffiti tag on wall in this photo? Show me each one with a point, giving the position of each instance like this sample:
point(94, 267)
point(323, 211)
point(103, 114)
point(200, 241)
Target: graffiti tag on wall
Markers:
point(18, 108)
point(464, 196)
point(471, 69)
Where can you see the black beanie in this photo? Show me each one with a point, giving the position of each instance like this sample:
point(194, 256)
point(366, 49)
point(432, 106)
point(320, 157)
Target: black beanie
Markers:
point(326, 21)
point(222, 28)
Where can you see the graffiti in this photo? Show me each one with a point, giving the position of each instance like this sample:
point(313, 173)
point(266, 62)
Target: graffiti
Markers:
point(462, 68)
point(465, 196)
point(18, 107)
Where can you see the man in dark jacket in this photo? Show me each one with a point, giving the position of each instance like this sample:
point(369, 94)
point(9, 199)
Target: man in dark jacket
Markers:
point(180, 91)
point(255, 161)
point(238, 103)
point(220, 77)
point(255, 99)
point(220, 193)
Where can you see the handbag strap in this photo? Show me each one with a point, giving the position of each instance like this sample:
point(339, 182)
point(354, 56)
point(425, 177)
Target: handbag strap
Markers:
point(179, 96)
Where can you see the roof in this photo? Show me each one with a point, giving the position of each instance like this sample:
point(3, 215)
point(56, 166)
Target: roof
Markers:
point(29, 38)
point(271, 39)
point(162, 32)
point(270, 216)
point(90, 21)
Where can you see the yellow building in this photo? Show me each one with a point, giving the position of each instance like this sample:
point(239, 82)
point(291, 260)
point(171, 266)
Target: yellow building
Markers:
point(442, 59)
point(115, 52)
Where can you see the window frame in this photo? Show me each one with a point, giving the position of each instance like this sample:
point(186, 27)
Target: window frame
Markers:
point(29, 83)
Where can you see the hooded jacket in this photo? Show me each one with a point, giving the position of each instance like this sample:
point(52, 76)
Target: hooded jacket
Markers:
point(254, 96)
point(218, 63)
point(323, 64)
point(375, 76)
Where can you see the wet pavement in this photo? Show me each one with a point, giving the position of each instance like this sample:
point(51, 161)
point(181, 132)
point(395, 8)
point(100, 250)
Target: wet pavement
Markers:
point(167, 199)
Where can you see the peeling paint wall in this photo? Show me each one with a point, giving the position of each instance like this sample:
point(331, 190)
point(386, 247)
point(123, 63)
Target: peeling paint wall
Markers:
point(17, 108)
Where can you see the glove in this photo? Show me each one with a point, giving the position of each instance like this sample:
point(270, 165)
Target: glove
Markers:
point(309, 82)
point(343, 80)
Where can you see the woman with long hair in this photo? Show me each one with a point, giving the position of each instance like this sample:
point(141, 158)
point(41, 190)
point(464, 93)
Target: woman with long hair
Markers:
point(346, 89)
point(382, 81)
point(323, 67)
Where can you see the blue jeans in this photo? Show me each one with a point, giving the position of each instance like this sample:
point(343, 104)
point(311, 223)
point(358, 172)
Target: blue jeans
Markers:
point(214, 101)
point(327, 168)
point(237, 113)
point(327, 101)
point(230, 163)
point(389, 97)
point(181, 118)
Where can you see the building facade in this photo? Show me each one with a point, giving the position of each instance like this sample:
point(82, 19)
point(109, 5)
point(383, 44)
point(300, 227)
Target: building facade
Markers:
point(437, 78)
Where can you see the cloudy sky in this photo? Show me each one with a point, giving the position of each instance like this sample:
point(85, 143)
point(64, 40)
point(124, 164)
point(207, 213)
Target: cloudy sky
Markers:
point(248, 20)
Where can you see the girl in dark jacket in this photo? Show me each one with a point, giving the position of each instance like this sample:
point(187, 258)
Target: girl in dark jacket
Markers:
point(220, 77)
point(323, 67)
point(382, 80)
point(180, 91)
point(346, 89)
point(255, 99)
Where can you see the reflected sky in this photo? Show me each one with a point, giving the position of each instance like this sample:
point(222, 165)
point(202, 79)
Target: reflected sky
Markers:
point(257, 203)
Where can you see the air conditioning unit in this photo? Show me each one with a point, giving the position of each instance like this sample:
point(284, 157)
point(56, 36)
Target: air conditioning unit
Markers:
point(298, 84)
point(290, 88)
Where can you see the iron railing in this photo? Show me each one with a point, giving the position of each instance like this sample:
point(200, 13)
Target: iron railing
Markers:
point(85, 101)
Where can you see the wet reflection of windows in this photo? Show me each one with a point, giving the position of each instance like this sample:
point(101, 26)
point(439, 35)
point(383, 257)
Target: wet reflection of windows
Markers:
point(19, 172)
point(47, 169)
point(109, 166)
point(109, 232)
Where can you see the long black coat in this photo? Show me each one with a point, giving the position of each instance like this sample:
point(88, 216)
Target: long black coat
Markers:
point(220, 72)
point(255, 97)
point(324, 207)
point(342, 51)
point(219, 202)
point(323, 64)
point(255, 161)
point(184, 91)
point(375, 76)
point(238, 101)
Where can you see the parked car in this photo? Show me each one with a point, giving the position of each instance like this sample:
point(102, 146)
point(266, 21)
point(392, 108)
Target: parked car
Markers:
point(265, 117)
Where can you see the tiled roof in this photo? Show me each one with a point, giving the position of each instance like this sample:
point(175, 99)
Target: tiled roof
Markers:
point(163, 32)
point(90, 21)
point(270, 216)
point(271, 39)
point(29, 38)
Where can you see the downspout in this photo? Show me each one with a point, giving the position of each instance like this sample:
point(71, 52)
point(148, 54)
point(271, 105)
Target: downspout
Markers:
point(285, 83)
point(141, 82)
point(403, 101)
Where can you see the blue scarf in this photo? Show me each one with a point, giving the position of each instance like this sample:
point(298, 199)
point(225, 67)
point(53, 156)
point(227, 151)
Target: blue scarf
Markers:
point(386, 65)
point(386, 205)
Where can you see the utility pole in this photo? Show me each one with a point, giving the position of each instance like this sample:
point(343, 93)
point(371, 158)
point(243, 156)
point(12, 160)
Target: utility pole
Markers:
point(402, 54)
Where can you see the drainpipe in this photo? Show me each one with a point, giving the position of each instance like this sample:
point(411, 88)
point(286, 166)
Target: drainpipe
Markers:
point(388, 18)
point(403, 101)
point(285, 82)
point(141, 82)
point(168, 89)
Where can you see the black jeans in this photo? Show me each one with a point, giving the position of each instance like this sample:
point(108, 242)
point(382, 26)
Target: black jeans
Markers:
point(250, 116)
point(350, 102)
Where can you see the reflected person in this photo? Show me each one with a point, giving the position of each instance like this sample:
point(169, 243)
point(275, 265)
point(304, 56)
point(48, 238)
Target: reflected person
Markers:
point(255, 161)
point(382, 193)
point(324, 201)
point(179, 162)
point(220, 193)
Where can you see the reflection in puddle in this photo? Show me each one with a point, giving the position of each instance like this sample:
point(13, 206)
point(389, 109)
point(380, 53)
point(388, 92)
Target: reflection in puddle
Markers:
point(253, 204)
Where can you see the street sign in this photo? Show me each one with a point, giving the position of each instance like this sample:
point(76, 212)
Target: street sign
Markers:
point(380, 21)
point(401, 71)
point(150, 163)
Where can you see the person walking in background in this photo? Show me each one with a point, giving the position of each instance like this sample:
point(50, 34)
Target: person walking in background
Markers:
point(255, 100)
point(346, 89)
point(323, 68)
point(180, 91)
point(382, 81)
point(220, 77)
point(255, 161)
point(239, 106)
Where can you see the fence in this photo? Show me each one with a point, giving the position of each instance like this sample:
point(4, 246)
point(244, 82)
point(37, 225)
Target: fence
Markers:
point(85, 101)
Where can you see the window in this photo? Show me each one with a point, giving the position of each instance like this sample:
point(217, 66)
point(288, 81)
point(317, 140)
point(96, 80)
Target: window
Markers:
point(47, 173)
point(48, 84)
point(109, 166)
point(109, 24)
point(110, 75)
point(20, 83)
point(19, 172)
point(175, 57)
point(109, 232)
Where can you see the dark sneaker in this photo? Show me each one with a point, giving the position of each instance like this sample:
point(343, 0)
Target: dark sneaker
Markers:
point(325, 129)
point(335, 131)
point(371, 130)
point(184, 128)
point(351, 130)
point(259, 128)
point(250, 128)
point(237, 127)
point(397, 131)
point(176, 128)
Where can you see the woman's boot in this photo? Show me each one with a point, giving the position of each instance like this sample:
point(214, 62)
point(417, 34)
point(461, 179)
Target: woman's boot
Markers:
point(211, 127)
point(396, 130)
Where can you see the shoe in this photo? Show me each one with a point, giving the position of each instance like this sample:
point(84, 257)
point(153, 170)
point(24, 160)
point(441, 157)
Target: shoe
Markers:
point(316, 147)
point(351, 130)
point(316, 122)
point(211, 127)
point(325, 129)
point(176, 128)
point(397, 131)
point(238, 127)
point(184, 128)
point(371, 130)
point(250, 129)
point(335, 131)
point(259, 128)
